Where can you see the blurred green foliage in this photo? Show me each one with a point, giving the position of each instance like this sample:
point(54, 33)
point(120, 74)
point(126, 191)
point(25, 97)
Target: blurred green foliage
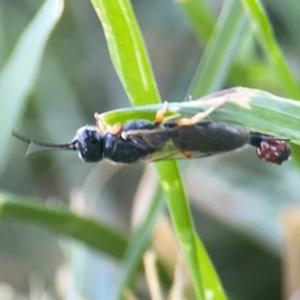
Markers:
point(76, 78)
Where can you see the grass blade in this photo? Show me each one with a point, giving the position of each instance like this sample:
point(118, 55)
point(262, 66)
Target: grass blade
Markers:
point(64, 222)
point(19, 74)
point(255, 109)
point(220, 51)
point(196, 10)
point(139, 242)
point(264, 33)
point(212, 282)
point(127, 50)
point(130, 59)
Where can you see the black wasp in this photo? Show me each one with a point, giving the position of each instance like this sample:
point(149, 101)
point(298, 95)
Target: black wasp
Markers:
point(142, 141)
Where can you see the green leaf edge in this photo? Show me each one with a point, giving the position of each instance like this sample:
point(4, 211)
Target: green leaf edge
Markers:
point(98, 236)
point(256, 110)
point(263, 30)
point(19, 73)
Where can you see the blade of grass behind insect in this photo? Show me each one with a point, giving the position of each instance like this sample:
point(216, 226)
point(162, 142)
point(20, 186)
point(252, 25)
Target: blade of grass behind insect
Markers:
point(263, 30)
point(19, 74)
point(16, 81)
point(191, 8)
point(220, 51)
point(86, 230)
point(139, 242)
point(210, 76)
point(212, 283)
point(196, 10)
point(250, 108)
point(127, 50)
point(288, 13)
point(131, 61)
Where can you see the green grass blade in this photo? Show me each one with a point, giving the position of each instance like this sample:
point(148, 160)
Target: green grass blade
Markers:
point(83, 229)
point(289, 16)
point(220, 51)
point(200, 17)
point(212, 283)
point(264, 33)
point(182, 221)
point(139, 242)
point(130, 59)
point(19, 74)
point(255, 109)
point(127, 50)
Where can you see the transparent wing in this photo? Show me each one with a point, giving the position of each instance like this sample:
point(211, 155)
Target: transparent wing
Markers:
point(171, 152)
point(195, 141)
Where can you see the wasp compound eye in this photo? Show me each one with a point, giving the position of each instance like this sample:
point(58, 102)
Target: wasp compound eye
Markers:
point(89, 144)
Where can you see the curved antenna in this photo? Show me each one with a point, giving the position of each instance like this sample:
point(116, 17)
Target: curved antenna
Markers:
point(37, 146)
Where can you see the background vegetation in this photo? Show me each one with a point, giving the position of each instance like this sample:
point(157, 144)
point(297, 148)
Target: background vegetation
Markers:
point(238, 203)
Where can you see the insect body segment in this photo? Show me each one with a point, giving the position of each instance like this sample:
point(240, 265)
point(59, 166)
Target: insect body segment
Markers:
point(120, 148)
point(208, 137)
point(270, 149)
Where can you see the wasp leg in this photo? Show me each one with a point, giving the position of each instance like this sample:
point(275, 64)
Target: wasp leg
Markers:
point(186, 154)
point(160, 114)
point(115, 129)
point(200, 116)
point(100, 123)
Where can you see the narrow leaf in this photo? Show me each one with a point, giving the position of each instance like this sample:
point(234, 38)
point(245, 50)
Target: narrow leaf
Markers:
point(86, 230)
point(220, 52)
point(127, 50)
point(18, 76)
point(129, 56)
point(263, 30)
point(200, 17)
point(255, 109)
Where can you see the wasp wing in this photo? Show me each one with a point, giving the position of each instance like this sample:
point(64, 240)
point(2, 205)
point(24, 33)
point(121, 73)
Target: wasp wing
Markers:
point(171, 152)
point(170, 142)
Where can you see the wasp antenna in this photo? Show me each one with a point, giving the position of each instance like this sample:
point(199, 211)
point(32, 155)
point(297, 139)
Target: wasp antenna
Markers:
point(37, 146)
point(21, 137)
